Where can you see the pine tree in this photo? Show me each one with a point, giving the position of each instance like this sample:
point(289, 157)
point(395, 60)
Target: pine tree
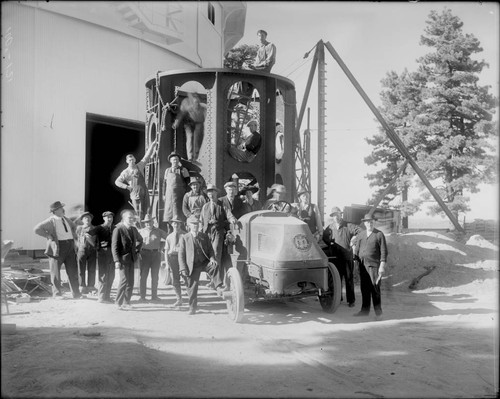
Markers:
point(236, 57)
point(442, 115)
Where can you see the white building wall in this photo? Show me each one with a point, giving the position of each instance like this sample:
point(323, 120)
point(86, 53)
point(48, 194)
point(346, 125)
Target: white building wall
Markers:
point(60, 68)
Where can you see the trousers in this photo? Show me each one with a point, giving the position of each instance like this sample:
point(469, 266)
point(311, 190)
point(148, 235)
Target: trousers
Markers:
point(369, 291)
point(345, 268)
point(126, 284)
point(86, 259)
point(106, 268)
point(194, 281)
point(151, 261)
point(67, 257)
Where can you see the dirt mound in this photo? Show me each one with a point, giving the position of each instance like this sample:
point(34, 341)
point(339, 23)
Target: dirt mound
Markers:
point(429, 259)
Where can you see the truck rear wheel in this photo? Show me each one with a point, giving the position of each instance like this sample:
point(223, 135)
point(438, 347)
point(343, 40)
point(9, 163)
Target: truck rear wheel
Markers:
point(331, 301)
point(235, 298)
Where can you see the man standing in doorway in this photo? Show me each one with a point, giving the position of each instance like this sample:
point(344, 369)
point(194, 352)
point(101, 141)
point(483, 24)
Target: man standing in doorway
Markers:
point(126, 243)
point(60, 233)
point(105, 258)
point(372, 252)
point(132, 179)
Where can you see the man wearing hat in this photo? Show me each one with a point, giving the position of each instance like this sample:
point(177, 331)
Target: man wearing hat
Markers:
point(105, 265)
point(132, 179)
point(151, 256)
point(126, 243)
point(194, 199)
point(277, 192)
point(250, 204)
point(214, 223)
point(232, 203)
point(172, 257)
point(339, 237)
point(60, 233)
point(175, 183)
point(86, 256)
point(196, 255)
point(309, 213)
point(372, 252)
point(248, 149)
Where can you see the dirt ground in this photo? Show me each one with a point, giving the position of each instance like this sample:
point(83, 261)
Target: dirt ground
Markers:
point(438, 340)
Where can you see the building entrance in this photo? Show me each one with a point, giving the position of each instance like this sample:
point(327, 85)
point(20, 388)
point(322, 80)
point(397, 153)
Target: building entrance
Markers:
point(108, 141)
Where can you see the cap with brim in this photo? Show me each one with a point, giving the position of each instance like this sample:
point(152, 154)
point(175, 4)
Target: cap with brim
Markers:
point(212, 187)
point(148, 218)
point(194, 180)
point(86, 214)
point(108, 213)
point(173, 154)
point(253, 189)
point(55, 206)
point(230, 184)
point(252, 121)
point(335, 210)
point(176, 221)
point(303, 192)
point(193, 219)
point(368, 217)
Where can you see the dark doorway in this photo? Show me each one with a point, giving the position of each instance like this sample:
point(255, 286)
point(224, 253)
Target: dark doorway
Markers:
point(108, 141)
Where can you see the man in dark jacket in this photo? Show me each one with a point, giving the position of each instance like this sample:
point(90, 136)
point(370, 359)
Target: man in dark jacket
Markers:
point(105, 258)
point(126, 243)
point(195, 256)
point(372, 251)
point(338, 236)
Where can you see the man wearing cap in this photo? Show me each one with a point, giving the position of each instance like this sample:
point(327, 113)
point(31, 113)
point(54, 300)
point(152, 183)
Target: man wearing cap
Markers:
point(196, 255)
point(106, 267)
point(175, 183)
point(232, 203)
point(339, 237)
point(132, 179)
point(60, 233)
point(151, 257)
point(172, 257)
point(193, 113)
point(372, 252)
point(86, 256)
point(250, 204)
point(309, 213)
point(126, 243)
point(250, 146)
point(214, 223)
point(277, 192)
point(194, 199)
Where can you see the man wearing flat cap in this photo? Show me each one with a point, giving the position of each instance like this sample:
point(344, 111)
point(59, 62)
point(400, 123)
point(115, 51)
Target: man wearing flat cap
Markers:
point(194, 199)
point(372, 252)
point(86, 256)
point(151, 256)
point(309, 213)
point(60, 233)
point(250, 204)
point(214, 223)
point(175, 184)
point(105, 265)
point(195, 256)
point(232, 203)
point(339, 237)
point(132, 179)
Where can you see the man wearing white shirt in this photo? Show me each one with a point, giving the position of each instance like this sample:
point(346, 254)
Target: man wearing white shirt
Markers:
point(60, 233)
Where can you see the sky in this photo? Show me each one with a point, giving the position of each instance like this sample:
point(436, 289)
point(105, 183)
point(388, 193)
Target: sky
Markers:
point(372, 39)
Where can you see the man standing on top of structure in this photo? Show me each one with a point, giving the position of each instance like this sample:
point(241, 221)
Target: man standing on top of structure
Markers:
point(266, 54)
point(132, 179)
